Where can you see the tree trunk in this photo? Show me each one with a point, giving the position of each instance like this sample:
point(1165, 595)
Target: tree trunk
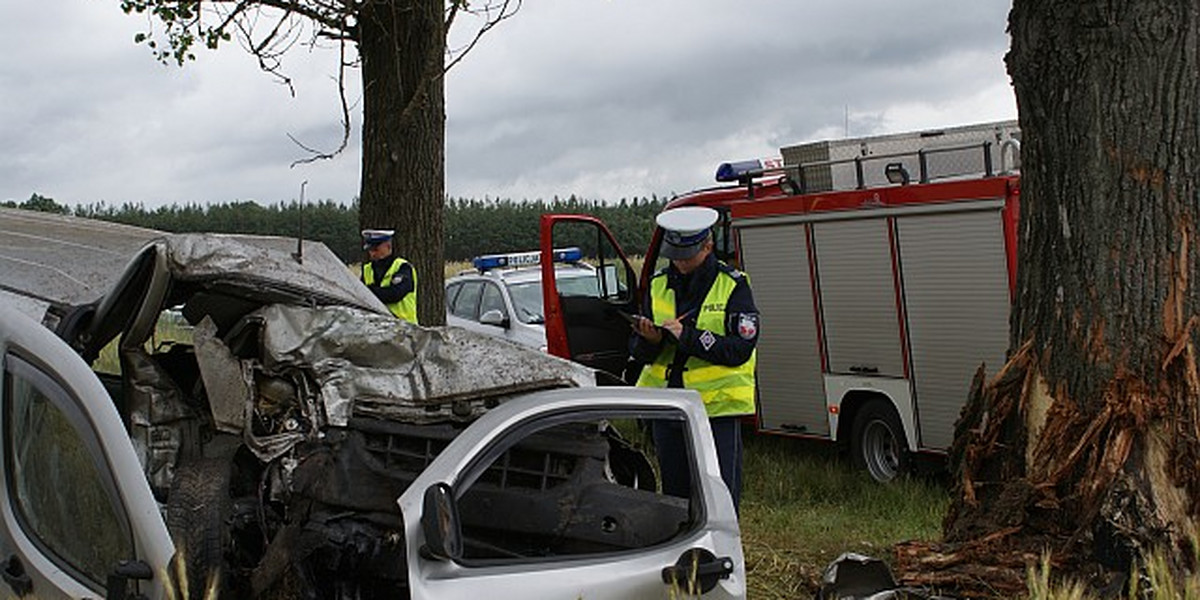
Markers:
point(1086, 444)
point(402, 45)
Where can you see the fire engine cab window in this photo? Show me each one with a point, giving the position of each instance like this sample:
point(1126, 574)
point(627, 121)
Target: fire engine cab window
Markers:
point(722, 241)
point(54, 478)
point(567, 489)
point(466, 303)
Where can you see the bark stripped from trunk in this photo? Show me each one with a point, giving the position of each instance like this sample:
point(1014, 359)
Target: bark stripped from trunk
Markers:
point(1085, 444)
point(402, 45)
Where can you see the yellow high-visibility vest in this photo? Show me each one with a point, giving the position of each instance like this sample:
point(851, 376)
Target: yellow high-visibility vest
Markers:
point(726, 391)
point(406, 308)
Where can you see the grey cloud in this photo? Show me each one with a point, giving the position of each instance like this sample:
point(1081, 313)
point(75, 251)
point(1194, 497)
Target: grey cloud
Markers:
point(600, 98)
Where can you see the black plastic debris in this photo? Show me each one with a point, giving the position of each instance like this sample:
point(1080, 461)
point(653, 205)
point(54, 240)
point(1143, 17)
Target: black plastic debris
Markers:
point(853, 576)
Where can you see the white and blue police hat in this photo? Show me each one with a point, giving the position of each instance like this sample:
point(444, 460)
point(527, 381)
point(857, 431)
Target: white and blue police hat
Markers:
point(375, 237)
point(684, 230)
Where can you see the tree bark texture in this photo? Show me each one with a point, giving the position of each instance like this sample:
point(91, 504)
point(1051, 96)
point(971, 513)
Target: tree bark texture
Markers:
point(1085, 445)
point(402, 46)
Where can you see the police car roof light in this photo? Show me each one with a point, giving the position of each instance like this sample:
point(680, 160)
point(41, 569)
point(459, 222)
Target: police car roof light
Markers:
point(525, 259)
point(567, 255)
point(747, 169)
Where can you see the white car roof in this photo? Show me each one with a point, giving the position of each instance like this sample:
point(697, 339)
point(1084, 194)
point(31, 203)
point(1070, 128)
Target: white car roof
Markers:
point(61, 260)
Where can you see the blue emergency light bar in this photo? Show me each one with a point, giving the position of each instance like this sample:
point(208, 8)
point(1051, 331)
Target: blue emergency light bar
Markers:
point(525, 259)
point(747, 169)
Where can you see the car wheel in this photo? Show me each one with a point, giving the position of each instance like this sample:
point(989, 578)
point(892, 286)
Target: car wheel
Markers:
point(198, 509)
point(878, 441)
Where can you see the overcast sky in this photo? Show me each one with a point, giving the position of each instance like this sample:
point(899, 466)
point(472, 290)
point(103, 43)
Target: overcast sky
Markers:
point(603, 99)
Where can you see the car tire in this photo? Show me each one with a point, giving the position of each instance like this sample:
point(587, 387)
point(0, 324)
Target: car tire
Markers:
point(198, 509)
point(878, 441)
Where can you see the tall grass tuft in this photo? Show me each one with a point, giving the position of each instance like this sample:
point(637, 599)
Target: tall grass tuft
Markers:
point(1042, 587)
point(1161, 583)
point(176, 581)
point(1152, 580)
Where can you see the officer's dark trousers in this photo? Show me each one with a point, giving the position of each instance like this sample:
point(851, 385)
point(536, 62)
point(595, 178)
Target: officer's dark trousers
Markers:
point(676, 467)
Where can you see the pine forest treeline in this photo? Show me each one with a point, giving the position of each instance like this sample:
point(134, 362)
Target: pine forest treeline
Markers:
point(473, 227)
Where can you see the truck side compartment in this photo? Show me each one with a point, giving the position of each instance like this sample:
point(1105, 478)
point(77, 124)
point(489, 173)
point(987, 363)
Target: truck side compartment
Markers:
point(905, 285)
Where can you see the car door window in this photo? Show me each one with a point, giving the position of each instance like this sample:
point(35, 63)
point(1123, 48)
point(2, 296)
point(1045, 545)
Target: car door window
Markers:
point(466, 303)
point(451, 292)
point(57, 479)
point(493, 299)
point(571, 488)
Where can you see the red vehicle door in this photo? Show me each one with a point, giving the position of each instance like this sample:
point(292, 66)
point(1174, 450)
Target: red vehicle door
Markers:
point(588, 323)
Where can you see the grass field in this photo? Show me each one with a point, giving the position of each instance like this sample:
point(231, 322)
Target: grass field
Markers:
point(803, 506)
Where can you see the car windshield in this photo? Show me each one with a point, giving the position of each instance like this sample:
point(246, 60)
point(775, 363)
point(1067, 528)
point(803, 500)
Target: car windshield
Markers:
point(527, 296)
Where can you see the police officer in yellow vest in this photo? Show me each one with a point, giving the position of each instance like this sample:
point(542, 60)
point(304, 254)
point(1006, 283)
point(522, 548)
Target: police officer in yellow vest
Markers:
point(698, 331)
point(392, 279)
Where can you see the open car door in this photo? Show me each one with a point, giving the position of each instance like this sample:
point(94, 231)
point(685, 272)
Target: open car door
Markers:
point(591, 524)
point(591, 326)
point(77, 519)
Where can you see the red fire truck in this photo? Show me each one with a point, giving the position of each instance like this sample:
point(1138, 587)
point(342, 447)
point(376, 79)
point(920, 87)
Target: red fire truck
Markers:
point(883, 269)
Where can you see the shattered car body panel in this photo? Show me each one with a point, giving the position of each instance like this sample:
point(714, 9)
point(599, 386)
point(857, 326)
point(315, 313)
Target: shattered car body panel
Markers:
point(393, 370)
point(222, 277)
point(288, 411)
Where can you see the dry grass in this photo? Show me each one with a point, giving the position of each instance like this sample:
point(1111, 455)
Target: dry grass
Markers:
point(1154, 581)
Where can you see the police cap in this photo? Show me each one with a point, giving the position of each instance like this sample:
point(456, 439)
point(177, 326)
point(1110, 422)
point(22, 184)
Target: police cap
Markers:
point(374, 237)
point(685, 230)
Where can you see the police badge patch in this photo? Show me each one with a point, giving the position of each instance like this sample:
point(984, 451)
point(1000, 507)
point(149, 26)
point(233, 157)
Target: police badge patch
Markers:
point(747, 326)
point(707, 339)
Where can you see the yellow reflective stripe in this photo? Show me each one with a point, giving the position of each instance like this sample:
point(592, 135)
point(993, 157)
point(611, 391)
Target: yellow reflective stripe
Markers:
point(721, 384)
point(708, 372)
point(729, 408)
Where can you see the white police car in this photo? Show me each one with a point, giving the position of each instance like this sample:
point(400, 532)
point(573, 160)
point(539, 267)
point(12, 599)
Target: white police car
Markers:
point(502, 295)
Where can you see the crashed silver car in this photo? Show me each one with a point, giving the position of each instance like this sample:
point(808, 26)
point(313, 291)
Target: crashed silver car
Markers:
point(295, 440)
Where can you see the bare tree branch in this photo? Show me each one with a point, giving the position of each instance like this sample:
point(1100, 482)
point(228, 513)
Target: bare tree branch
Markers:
point(489, 23)
point(341, 84)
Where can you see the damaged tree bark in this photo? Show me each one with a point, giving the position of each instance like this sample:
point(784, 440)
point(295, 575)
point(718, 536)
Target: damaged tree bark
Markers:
point(1085, 444)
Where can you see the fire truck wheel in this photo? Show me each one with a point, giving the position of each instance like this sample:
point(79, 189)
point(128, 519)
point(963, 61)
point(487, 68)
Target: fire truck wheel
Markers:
point(877, 441)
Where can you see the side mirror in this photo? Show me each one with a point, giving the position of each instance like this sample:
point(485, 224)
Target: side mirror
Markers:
point(494, 317)
point(440, 524)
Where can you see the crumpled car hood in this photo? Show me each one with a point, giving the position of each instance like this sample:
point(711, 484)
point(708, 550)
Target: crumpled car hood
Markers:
point(378, 366)
point(264, 261)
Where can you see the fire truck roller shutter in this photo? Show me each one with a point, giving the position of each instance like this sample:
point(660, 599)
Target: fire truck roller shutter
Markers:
point(791, 389)
point(957, 302)
point(858, 297)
